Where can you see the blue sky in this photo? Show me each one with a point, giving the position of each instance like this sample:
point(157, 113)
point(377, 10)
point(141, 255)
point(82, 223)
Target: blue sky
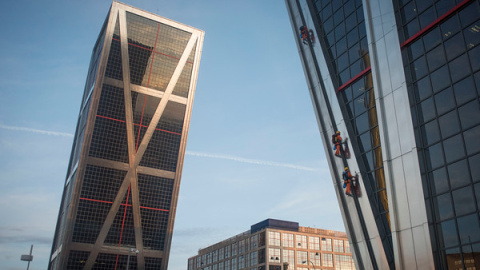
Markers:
point(254, 150)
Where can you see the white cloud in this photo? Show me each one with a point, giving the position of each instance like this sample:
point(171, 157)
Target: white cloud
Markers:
point(39, 131)
point(251, 161)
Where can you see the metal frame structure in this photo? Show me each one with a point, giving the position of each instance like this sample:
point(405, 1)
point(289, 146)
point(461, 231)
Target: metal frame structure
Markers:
point(136, 148)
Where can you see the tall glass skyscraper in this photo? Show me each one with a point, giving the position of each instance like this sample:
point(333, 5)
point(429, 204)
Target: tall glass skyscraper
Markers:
point(122, 183)
point(400, 80)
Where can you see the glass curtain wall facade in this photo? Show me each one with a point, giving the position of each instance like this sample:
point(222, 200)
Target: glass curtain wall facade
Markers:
point(441, 56)
point(342, 36)
point(401, 80)
point(122, 183)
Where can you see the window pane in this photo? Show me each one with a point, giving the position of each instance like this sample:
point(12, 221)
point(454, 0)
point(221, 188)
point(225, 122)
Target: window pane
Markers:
point(469, 14)
point(440, 79)
point(430, 132)
point(474, 59)
point(361, 123)
point(468, 229)
point(408, 12)
point(458, 173)
point(432, 39)
point(450, 27)
point(459, 67)
point(464, 90)
point(444, 206)
point(453, 148)
point(464, 201)
point(472, 35)
point(475, 168)
point(426, 110)
point(365, 142)
point(419, 68)
point(449, 124)
point(436, 58)
point(423, 88)
point(472, 140)
point(440, 180)
point(434, 156)
point(449, 233)
point(444, 101)
point(454, 46)
point(477, 194)
point(427, 17)
point(470, 114)
point(415, 49)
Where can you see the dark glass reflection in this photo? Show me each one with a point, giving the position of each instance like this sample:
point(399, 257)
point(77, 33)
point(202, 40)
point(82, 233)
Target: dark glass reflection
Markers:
point(458, 174)
point(464, 201)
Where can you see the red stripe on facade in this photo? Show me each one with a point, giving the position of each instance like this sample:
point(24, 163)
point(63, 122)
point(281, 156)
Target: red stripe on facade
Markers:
point(123, 223)
point(92, 200)
point(109, 118)
point(141, 120)
point(435, 23)
point(354, 79)
point(126, 204)
point(143, 126)
point(124, 215)
point(153, 56)
point(156, 209)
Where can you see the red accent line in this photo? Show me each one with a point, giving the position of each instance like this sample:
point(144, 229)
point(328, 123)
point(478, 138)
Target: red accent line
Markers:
point(124, 214)
point(126, 204)
point(434, 23)
point(176, 133)
point(153, 56)
point(354, 79)
point(158, 209)
point(138, 46)
point(148, 84)
point(141, 120)
point(123, 121)
point(123, 223)
point(118, 120)
point(93, 200)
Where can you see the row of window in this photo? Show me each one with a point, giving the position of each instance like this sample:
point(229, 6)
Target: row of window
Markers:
point(313, 242)
point(294, 259)
point(240, 248)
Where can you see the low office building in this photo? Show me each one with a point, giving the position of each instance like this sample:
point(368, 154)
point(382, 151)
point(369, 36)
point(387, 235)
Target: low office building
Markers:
point(277, 245)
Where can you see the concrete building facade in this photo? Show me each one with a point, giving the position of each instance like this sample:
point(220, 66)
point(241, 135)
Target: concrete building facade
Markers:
point(277, 245)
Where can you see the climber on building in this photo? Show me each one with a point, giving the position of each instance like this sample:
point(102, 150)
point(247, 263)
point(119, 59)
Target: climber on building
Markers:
point(337, 141)
point(347, 181)
point(304, 34)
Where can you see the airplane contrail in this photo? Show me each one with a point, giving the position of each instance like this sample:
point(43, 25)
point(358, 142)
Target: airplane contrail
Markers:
point(191, 153)
point(39, 131)
point(251, 161)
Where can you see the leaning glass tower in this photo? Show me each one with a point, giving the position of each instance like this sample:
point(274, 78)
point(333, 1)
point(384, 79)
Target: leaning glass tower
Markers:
point(123, 179)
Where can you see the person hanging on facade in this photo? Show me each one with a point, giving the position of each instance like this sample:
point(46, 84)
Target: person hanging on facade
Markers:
point(304, 34)
point(337, 141)
point(347, 181)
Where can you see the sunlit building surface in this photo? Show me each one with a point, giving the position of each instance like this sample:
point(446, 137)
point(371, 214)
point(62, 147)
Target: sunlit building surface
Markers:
point(400, 80)
point(277, 245)
point(121, 189)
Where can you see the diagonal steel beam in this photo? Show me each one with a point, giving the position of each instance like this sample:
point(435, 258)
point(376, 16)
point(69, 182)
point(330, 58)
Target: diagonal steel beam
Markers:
point(163, 102)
